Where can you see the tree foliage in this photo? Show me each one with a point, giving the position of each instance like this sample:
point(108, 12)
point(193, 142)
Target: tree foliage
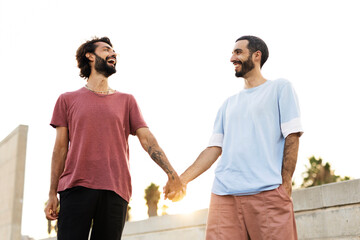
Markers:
point(152, 197)
point(318, 173)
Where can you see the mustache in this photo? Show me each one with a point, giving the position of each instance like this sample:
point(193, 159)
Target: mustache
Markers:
point(239, 62)
point(108, 57)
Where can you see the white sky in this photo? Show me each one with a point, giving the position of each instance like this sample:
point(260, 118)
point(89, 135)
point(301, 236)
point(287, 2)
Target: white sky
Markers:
point(174, 58)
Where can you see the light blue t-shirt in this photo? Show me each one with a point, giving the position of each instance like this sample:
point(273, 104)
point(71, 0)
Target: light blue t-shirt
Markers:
point(251, 128)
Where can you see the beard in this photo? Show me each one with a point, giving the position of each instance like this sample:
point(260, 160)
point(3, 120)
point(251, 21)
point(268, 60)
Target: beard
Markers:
point(246, 67)
point(102, 66)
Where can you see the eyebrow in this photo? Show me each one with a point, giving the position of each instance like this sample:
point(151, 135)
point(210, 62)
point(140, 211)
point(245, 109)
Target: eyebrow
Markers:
point(238, 50)
point(107, 47)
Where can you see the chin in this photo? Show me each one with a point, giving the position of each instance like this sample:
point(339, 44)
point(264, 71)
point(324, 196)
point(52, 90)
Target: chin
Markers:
point(238, 74)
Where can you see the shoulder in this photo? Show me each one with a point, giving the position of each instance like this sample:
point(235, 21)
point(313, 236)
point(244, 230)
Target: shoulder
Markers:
point(227, 100)
point(281, 84)
point(232, 97)
point(66, 99)
point(124, 96)
point(72, 94)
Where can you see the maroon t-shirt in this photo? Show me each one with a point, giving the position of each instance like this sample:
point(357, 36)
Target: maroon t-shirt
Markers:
point(99, 127)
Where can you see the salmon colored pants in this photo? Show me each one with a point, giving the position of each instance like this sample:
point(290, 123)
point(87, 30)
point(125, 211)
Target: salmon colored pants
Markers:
point(263, 216)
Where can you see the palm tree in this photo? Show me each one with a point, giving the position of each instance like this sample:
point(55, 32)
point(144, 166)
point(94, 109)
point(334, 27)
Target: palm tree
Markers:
point(152, 197)
point(318, 174)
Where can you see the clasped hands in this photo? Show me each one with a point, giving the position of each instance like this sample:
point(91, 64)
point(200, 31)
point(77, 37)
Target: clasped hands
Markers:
point(175, 189)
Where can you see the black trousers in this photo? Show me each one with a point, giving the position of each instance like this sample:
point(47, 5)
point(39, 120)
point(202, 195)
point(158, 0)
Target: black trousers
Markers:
point(82, 208)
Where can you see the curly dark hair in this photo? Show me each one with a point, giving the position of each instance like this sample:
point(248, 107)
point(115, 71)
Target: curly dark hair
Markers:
point(88, 47)
point(255, 44)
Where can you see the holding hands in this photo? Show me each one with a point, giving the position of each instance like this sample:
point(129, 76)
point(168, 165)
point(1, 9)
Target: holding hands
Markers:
point(175, 190)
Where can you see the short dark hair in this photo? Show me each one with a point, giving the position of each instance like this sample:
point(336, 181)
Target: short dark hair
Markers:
point(256, 44)
point(88, 47)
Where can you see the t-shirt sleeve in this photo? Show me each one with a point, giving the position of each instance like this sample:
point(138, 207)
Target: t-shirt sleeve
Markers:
point(217, 136)
point(59, 117)
point(289, 111)
point(136, 119)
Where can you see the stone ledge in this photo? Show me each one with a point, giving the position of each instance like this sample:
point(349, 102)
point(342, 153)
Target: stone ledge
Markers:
point(341, 222)
point(328, 195)
point(167, 222)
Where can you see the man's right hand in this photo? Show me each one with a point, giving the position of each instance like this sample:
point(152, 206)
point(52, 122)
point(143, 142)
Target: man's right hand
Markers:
point(174, 193)
point(51, 210)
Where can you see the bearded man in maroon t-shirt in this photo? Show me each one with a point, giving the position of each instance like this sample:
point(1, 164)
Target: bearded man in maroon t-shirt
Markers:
point(90, 162)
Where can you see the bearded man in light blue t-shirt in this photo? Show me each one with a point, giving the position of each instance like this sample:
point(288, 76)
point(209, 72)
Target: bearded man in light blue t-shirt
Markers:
point(256, 132)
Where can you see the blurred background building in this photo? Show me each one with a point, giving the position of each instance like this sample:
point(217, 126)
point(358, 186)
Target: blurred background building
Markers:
point(12, 172)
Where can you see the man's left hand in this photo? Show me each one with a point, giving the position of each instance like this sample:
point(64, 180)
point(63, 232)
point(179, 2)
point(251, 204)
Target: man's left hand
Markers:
point(175, 190)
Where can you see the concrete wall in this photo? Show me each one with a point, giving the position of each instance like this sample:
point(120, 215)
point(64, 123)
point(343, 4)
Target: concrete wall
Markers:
point(327, 212)
point(168, 227)
point(12, 170)
point(330, 211)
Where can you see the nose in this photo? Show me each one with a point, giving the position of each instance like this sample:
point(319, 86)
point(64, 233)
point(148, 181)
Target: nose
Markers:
point(113, 54)
point(232, 59)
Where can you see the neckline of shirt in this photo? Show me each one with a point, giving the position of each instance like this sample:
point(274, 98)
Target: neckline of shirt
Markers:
point(257, 87)
point(99, 94)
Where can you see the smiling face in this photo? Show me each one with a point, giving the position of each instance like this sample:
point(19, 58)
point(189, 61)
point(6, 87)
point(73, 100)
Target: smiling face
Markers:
point(105, 59)
point(242, 59)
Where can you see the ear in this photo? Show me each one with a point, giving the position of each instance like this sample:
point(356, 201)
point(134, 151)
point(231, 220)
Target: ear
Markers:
point(257, 56)
point(90, 56)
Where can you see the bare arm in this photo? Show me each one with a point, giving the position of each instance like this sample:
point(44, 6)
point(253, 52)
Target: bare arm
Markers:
point(151, 146)
point(57, 167)
point(291, 149)
point(201, 164)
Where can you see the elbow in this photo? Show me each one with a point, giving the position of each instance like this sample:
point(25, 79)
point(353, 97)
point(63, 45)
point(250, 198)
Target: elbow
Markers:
point(216, 150)
point(294, 135)
point(60, 152)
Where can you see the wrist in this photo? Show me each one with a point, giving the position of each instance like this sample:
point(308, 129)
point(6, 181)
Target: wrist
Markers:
point(286, 181)
point(52, 193)
point(173, 176)
point(184, 179)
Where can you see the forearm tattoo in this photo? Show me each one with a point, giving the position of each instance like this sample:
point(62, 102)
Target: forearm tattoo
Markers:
point(157, 156)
